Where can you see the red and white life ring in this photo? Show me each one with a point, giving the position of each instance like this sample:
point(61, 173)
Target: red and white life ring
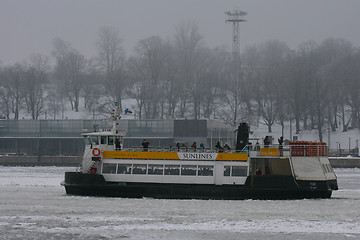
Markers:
point(96, 152)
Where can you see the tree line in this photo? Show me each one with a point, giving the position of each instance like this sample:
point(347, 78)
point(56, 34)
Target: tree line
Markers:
point(315, 86)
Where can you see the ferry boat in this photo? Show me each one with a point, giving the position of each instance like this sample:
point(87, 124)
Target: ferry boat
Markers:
point(295, 171)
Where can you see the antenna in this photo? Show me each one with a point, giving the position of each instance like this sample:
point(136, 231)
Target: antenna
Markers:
point(115, 115)
point(236, 17)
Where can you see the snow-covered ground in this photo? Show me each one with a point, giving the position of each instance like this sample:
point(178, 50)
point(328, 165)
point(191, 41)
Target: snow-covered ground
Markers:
point(34, 206)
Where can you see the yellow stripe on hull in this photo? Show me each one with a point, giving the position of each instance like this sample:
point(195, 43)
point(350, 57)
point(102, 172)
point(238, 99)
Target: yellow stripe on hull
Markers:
point(269, 152)
point(232, 157)
point(140, 155)
point(175, 155)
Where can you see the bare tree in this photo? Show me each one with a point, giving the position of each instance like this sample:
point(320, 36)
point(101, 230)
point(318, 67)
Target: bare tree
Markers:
point(70, 71)
point(150, 62)
point(35, 80)
point(93, 90)
point(252, 73)
point(300, 80)
point(53, 104)
point(4, 97)
point(351, 74)
point(269, 97)
point(213, 82)
point(111, 58)
point(139, 89)
point(170, 84)
point(187, 43)
point(345, 71)
point(329, 50)
point(201, 79)
point(13, 90)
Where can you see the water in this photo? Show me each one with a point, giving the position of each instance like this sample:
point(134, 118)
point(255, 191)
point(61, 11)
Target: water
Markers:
point(33, 205)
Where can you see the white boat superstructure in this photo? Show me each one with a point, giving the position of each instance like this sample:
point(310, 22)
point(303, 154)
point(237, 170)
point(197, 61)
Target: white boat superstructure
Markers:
point(298, 170)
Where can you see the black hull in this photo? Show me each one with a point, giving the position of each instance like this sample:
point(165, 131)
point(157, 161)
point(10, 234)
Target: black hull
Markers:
point(256, 187)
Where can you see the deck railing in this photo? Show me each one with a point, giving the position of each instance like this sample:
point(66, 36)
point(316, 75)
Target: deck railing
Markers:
point(298, 150)
point(292, 150)
point(181, 149)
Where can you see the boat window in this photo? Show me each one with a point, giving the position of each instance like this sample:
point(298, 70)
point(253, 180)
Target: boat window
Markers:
point(103, 139)
point(238, 171)
point(155, 169)
point(205, 170)
point(139, 169)
point(227, 171)
point(172, 169)
point(95, 140)
point(87, 140)
point(109, 168)
point(124, 169)
point(188, 170)
point(111, 140)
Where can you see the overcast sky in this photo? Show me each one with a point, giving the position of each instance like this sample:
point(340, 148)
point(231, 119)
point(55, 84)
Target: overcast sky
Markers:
point(28, 26)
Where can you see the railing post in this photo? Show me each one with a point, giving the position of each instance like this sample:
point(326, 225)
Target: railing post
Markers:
point(318, 150)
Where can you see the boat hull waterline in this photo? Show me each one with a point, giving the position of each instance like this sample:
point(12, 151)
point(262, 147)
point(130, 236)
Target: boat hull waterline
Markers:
point(256, 187)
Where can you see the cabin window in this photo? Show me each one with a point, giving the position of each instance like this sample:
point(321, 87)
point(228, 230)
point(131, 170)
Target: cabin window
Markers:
point(239, 171)
point(205, 170)
point(103, 139)
point(188, 170)
point(172, 169)
point(139, 169)
point(110, 140)
point(109, 168)
point(124, 169)
point(87, 140)
point(95, 140)
point(155, 169)
point(227, 170)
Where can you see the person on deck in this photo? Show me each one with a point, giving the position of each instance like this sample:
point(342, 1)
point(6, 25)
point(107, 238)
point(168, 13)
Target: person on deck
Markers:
point(281, 141)
point(118, 144)
point(257, 146)
point(184, 147)
point(202, 147)
point(226, 147)
point(218, 147)
point(266, 142)
point(145, 145)
point(193, 146)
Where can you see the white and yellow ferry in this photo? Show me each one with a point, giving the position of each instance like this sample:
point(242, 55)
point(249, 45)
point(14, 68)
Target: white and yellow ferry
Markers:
point(299, 170)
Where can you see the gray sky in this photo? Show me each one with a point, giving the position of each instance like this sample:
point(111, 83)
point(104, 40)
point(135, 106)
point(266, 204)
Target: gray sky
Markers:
point(28, 26)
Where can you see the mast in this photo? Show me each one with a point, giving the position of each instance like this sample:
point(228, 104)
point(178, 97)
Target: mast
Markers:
point(115, 115)
point(236, 17)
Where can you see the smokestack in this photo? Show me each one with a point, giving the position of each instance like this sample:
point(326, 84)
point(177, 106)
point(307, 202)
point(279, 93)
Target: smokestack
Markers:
point(242, 136)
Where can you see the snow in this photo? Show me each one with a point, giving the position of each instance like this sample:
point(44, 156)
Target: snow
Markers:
point(32, 176)
point(33, 205)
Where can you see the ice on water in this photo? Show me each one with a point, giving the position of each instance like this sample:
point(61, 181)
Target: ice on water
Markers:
point(33, 205)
